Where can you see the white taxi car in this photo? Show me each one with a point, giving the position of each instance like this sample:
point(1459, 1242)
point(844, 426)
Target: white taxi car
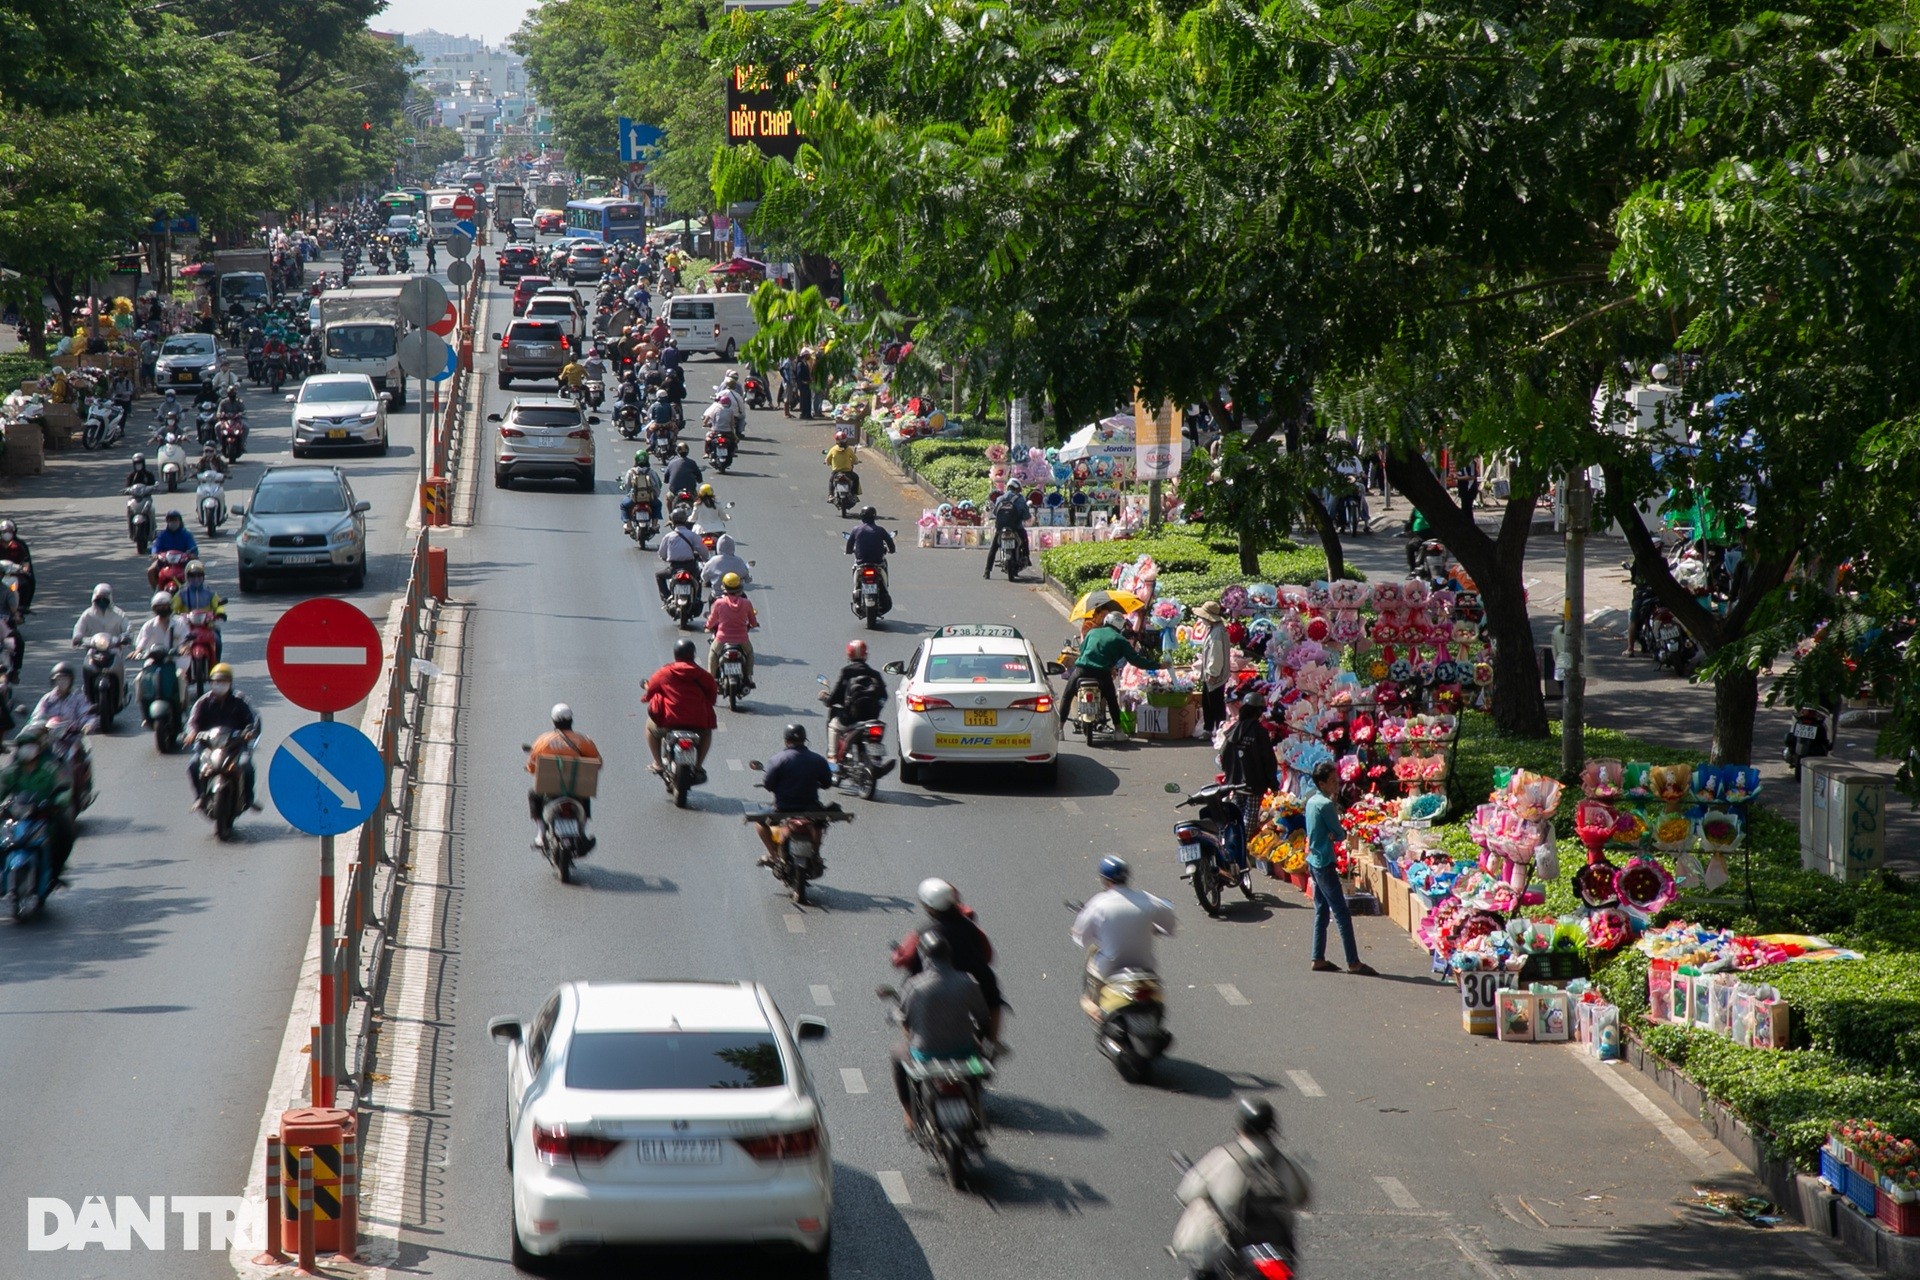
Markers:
point(977, 693)
point(675, 1113)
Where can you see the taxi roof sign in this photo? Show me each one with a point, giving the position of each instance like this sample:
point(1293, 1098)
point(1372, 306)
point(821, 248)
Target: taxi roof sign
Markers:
point(997, 630)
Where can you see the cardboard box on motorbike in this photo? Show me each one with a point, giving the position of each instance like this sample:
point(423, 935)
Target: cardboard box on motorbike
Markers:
point(566, 776)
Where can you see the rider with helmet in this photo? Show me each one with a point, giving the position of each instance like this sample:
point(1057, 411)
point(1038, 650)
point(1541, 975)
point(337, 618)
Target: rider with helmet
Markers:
point(163, 631)
point(66, 701)
point(942, 1010)
point(730, 619)
point(639, 485)
point(795, 776)
point(680, 548)
point(559, 743)
point(1010, 512)
point(857, 696)
point(1117, 926)
point(1101, 650)
point(681, 695)
point(35, 772)
point(222, 707)
point(141, 472)
point(953, 920)
point(841, 460)
point(1243, 1192)
point(869, 544)
point(173, 536)
point(195, 594)
point(12, 548)
point(682, 473)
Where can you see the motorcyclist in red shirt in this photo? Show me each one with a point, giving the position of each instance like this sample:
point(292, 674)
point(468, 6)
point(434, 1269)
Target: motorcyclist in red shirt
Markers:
point(681, 695)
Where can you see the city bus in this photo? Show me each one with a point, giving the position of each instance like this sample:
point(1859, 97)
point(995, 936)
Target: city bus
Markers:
point(607, 218)
point(396, 202)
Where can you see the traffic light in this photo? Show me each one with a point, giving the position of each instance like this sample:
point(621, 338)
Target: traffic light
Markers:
point(366, 133)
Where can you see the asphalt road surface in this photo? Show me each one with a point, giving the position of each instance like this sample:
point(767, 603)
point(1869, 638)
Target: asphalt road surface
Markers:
point(1430, 1151)
point(140, 1016)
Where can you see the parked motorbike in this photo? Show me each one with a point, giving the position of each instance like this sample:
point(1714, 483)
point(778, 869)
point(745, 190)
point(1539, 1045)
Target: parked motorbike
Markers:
point(679, 764)
point(721, 446)
point(797, 838)
point(684, 604)
point(867, 595)
point(842, 490)
point(1213, 847)
point(140, 516)
point(1673, 648)
point(733, 675)
point(105, 676)
point(756, 389)
point(949, 1120)
point(223, 778)
point(210, 501)
point(1808, 736)
point(26, 854)
point(106, 423)
point(172, 457)
point(162, 698)
point(232, 433)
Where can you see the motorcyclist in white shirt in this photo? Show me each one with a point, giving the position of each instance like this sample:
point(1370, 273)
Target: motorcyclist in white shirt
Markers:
point(102, 617)
point(1118, 924)
point(164, 631)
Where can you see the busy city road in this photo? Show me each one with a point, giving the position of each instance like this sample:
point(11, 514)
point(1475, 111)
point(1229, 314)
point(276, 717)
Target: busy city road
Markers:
point(1421, 1142)
point(140, 1020)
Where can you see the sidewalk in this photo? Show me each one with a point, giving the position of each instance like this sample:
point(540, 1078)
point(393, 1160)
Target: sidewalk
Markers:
point(1631, 694)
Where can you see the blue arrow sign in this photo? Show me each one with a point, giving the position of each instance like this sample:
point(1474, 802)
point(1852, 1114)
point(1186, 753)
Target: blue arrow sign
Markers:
point(453, 359)
point(637, 139)
point(326, 778)
point(466, 228)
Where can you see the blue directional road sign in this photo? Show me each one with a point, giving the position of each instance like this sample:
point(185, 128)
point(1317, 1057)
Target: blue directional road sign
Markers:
point(326, 778)
point(466, 228)
point(637, 139)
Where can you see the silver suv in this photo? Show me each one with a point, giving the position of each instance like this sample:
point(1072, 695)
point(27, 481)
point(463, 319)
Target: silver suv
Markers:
point(533, 349)
point(543, 438)
point(302, 520)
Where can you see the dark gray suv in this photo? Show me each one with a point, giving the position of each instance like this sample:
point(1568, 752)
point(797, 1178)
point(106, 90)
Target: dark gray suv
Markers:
point(533, 349)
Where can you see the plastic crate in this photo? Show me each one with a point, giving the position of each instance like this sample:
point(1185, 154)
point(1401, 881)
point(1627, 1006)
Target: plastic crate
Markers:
point(1902, 1217)
point(1861, 1191)
point(1832, 1172)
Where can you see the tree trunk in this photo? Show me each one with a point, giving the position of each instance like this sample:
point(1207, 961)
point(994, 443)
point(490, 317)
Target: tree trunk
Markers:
point(1330, 544)
point(1497, 566)
point(1736, 696)
point(1249, 554)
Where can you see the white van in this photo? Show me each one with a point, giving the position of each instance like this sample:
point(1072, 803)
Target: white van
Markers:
point(441, 218)
point(716, 323)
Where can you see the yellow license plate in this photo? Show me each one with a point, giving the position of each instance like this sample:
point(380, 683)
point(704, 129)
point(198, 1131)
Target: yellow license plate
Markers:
point(979, 719)
point(981, 741)
point(336, 433)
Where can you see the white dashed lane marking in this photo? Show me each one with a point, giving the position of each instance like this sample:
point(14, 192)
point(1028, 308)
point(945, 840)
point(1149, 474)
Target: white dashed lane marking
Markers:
point(1071, 806)
point(1398, 1193)
point(853, 1080)
point(894, 1185)
point(1230, 993)
point(796, 923)
point(1306, 1084)
point(737, 766)
point(822, 994)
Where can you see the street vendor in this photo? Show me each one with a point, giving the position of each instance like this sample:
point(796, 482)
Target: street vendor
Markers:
point(1103, 648)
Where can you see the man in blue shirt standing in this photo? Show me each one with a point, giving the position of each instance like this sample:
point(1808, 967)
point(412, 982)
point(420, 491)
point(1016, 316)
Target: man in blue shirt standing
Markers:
point(1329, 895)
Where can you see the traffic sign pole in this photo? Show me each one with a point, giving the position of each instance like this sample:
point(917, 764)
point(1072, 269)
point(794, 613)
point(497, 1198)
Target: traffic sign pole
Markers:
point(331, 1048)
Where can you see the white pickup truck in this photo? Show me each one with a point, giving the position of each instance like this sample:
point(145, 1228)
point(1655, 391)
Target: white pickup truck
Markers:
point(361, 331)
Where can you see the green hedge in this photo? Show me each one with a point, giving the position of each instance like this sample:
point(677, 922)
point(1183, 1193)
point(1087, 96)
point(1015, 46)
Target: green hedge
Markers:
point(16, 367)
point(955, 466)
point(1193, 564)
point(1855, 1025)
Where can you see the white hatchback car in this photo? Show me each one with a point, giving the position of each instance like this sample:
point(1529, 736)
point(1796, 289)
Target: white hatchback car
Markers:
point(977, 693)
point(675, 1113)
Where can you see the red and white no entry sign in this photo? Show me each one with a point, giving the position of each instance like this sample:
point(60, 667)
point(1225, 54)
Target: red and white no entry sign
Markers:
point(463, 206)
point(324, 655)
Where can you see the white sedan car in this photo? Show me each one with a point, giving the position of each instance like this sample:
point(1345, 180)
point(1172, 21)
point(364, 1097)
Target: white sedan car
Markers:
point(672, 1113)
point(977, 693)
point(339, 411)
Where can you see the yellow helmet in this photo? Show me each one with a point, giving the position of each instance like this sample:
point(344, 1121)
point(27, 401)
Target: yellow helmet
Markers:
point(730, 582)
point(221, 671)
point(706, 491)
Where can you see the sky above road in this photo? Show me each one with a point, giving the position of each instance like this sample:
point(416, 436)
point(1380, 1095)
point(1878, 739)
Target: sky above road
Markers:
point(490, 20)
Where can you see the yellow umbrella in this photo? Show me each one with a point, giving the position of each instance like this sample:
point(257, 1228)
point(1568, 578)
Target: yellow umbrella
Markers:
point(1095, 603)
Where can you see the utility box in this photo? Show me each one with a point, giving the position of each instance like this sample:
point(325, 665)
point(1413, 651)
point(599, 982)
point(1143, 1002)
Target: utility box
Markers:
point(1816, 798)
point(1843, 821)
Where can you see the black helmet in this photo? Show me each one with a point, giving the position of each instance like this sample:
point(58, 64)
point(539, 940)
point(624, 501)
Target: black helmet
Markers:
point(62, 669)
point(681, 448)
point(683, 651)
point(934, 946)
point(869, 514)
point(1256, 1117)
point(795, 736)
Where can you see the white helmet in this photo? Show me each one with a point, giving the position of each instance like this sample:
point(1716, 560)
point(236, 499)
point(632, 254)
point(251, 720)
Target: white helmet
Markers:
point(1112, 618)
point(937, 895)
point(562, 716)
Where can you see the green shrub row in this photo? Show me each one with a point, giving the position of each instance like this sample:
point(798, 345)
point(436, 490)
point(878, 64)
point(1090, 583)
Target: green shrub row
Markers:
point(16, 367)
point(1193, 564)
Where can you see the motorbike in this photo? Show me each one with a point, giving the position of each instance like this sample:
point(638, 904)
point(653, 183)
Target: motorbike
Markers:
point(756, 389)
point(172, 458)
point(626, 419)
point(204, 415)
point(595, 392)
point(866, 595)
point(733, 675)
point(11, 572)
point(721, 446)
point(106, 423)
point(660, 441)
point(276, 369)
point(26, 853)
point(162, 698)
point(797, 838)
point(232, 433)
point(168, 416)
point(105, 677)
point(1261, 1261)
point(842, 489)
point(1673, 647)
point(140, 516)
point(1013, 553)
point(684, 605)
point(223, 778)
point(203, 648)
point(1130, 1020)
point(172, 571)
point(1213, 851)
point(949, 1121)
point(563, 831)
point(1089, 713)
point(1434, 563)
point(679, 763)
point(67, 740)
point(210, 500)
point(1807, 737)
